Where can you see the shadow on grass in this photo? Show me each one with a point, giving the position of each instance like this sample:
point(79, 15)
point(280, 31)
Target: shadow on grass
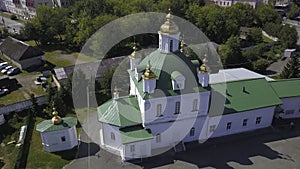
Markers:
point(68, 154)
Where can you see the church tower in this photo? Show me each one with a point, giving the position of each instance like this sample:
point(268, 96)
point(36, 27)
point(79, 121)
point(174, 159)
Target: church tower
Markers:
point(169, 35)
point(203, 76)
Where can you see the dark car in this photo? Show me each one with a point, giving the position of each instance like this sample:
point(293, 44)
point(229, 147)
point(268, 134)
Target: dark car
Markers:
point(13, 71)
point(3, 92)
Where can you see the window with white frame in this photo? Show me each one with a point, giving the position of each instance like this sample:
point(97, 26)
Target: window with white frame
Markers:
point(195, 104)
point(132, 148)
point(177, 107)
point(158, 138)
point(258, 120)
point(158, 110)
point(192, 131)
point(245, 121)
point(112, 136)
point(228, 126)
point(212, 128)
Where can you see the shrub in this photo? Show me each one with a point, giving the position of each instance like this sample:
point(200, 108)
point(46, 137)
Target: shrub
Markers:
point(13, 17)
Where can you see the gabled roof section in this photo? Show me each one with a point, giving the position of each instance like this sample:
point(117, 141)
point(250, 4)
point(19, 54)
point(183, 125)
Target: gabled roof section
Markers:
point(242, 96)
point(47, 125)
point(18, 50)
point(122, 112)
point(163, 65)
point(286, 87)
point(134, 134)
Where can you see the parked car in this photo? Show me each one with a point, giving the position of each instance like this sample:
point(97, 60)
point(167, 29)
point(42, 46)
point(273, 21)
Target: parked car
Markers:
point(40, 80)
point(13, 71)
point(3, 92)
point(4, 71)
point(2, 66)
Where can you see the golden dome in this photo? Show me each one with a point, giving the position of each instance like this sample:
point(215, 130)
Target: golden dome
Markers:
point(134, 54)
point(55, 119)
point(181, 46)
point(169, 27)
point(203, 68)
point(149, 75)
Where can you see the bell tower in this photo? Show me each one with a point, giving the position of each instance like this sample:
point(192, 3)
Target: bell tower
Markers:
point(169, 35)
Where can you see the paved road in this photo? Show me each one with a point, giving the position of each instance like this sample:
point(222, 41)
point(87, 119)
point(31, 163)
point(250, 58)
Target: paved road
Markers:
point(276, 148)
point(12, 25)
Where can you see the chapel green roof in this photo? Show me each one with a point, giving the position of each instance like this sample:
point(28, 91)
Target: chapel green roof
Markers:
point(243, 95)
point(46, 125)
point(286, 87)
point(121, 112)
point(134, 134)
point(163, 65)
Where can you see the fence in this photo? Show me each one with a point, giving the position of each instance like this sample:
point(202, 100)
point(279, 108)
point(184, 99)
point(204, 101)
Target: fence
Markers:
point(16, 107)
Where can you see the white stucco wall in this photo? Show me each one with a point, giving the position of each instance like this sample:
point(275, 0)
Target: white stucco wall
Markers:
point(142, 149)
point(168, 107)
point(236, 120)
point(52, 140)
point(289, 105)
point(115, 144)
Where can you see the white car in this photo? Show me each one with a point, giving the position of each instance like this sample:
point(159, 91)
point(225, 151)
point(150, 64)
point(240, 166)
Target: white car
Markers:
point(2, 66)
point(6, 69)
point(3, 92)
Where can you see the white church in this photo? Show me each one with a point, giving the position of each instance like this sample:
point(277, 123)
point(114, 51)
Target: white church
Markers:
point(174, 100)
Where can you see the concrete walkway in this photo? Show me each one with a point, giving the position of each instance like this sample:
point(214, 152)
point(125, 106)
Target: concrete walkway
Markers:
point(275, 148)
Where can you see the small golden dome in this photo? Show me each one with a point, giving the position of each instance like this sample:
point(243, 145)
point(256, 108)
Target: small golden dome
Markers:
point(181, 46)
point(134, 54)
point(55, 119)
point(203, 68)
point(149, 75)
point(169, 27)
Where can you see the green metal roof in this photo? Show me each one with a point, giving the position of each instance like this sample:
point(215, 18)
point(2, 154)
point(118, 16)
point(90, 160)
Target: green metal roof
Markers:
point(175, 74)
point(286, 87)
point(241, 96)
point(121, 112)
point(46, 125)
point(163, 65)
point(134, 134)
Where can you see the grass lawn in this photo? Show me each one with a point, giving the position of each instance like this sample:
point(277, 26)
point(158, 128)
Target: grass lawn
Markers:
point(31, 43)
point(83, 57)
point(10, 152)
point(8, 16)
point(12, 97)
point(40, 159)
point(54, 58)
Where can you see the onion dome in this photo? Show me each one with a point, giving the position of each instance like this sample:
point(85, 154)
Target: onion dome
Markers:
point(169, 27)
point(55, 119)
point(149, 75)
point(203, 68)
point(134, 54)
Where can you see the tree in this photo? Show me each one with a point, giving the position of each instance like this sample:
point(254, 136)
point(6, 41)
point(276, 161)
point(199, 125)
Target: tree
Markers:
point(288, 36)
point(231, 54)
point(266, 13)
point(272, 29)
point(294, 12)
point(34, 105)
point(260, 65)
point(292, 68)
point(255, 35)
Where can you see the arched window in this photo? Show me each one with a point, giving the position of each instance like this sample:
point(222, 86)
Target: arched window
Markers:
point(192, 131)
point(171, 45)
point(158, 138)
point(158, 111)
point(112, 136)
point(195, 104)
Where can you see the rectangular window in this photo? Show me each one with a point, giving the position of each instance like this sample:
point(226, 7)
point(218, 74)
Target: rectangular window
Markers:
point(177, 107)
point(63, 139)
point(228, 127)
point(195, 104)
point(158, 138)
point(287, 112)
point(192, 131)
point(258, 120)
point(171, 45)
point(245, 122)
point(158, 111)
point(112, 136)
point(132, 148)
point(212, 128)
